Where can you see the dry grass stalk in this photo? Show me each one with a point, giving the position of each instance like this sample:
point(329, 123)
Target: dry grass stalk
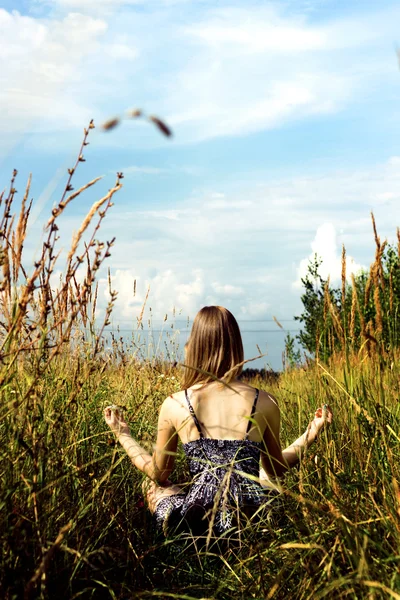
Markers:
point(391, 293)
point(41, 570)
point(376, 271)
point(334, 313)
point(45, 265)
point(398, 241)
point(326, 300)
point(361, 317)
point(52, 316)
point(343, 279)
point(6, 272)
point(378, 312)
point(140, 317)
point(337, 324)
point(63, 203)
point(94, 302)
point(317, 341)
point(377, 239)
point(379, 283)
point(21, 228)
point(380, 270)
point(369, 337)
point(368, 286)
point(86, 222)
point(354, 308)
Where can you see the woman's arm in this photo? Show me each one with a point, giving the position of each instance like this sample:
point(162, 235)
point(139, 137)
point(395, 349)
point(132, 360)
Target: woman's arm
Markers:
point(272, 460)
point(159, 466)
point(276, 462)
point(167, 441)
point(293, 453)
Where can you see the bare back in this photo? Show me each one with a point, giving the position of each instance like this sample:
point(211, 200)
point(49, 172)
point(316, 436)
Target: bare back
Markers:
point(222, 411)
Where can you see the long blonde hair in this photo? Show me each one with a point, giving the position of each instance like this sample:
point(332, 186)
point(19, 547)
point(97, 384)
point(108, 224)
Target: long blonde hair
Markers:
point(215, 348)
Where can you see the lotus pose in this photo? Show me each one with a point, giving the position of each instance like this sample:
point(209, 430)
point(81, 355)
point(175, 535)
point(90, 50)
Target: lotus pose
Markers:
point(228, 430)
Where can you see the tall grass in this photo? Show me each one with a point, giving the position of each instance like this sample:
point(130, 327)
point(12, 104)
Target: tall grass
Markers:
point(73, 523)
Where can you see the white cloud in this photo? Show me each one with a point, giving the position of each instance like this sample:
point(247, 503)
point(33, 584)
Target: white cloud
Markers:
point(325, 246)
point(224, 72)
point(226, 204)
point(267, 34)
point(267, 29)
point(40, 58)
point(227, 289)
point(123, 51)
point(136, 170)
point(250, 256)
point(385, 197)
point(150, 170)
point(255, 309)
point(92, 5)
point(183, 292)
point(171, 214)
point(257, 68)
point(88, 6)
point(258, 103)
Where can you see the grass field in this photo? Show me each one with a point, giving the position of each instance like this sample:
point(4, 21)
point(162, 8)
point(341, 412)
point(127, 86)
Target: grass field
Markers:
point(73, 523)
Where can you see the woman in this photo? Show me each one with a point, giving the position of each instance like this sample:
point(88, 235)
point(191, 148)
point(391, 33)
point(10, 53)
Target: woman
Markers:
point(225, 426)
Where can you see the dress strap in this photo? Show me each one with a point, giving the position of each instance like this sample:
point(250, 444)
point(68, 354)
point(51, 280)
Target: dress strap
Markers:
point(191, 410)
point(253, 410)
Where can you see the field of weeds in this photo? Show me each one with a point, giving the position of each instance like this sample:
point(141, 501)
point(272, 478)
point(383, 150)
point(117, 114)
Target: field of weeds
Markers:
point(73, 523)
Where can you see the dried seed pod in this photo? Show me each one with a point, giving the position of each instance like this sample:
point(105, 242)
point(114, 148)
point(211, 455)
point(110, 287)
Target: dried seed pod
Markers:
point(111, 124)
point(161, 125)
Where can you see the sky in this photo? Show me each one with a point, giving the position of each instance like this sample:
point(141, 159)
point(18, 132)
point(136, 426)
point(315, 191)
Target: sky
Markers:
point(286, 127)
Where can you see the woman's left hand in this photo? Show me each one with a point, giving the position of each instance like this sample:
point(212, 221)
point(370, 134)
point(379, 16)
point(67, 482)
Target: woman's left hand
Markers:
point(115, 420)
point(323, 417)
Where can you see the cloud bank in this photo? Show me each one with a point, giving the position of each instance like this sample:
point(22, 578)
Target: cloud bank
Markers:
point(212, 72)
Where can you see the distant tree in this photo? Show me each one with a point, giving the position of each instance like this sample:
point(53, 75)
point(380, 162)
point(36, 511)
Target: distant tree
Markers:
point(315, 318)
point(366, 311)
point(292, 354)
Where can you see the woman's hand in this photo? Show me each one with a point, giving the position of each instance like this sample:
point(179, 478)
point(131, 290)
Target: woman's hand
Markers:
point(323, 416)
point(115, 420)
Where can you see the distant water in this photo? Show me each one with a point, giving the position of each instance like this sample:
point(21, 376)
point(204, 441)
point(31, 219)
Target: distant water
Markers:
point(168, 341)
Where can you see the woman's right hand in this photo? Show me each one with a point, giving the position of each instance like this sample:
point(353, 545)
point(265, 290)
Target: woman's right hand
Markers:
point(115, 420)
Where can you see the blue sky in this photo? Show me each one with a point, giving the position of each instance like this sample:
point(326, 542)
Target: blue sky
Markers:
point(286, 120)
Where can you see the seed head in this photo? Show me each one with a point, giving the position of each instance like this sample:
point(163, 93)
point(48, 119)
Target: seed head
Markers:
point(111, 124)
point(135, 113)
point(161, 125)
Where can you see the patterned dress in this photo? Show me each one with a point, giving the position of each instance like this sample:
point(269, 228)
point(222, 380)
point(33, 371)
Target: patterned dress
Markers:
point(224, 481)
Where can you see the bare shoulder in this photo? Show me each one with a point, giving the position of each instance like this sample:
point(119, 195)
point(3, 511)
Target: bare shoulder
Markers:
point(267, 403)
point(268, 397)
point(173, 404)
